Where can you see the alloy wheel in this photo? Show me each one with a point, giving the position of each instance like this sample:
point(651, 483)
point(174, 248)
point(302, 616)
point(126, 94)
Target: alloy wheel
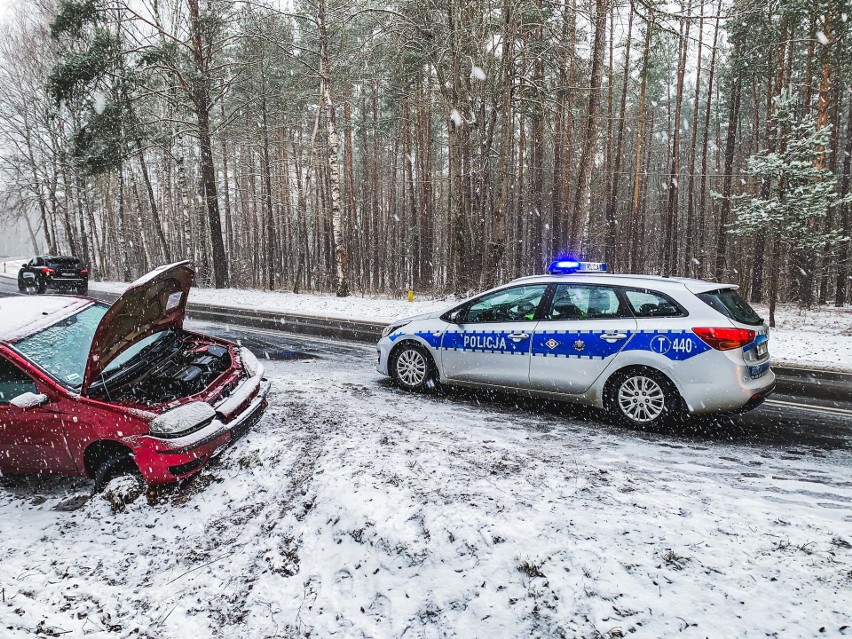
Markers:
point(411, 367)
point(641, 399)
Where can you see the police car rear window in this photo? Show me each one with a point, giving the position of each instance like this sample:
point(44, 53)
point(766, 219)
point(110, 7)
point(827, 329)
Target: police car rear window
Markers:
point(730, 304)
point(645, 303)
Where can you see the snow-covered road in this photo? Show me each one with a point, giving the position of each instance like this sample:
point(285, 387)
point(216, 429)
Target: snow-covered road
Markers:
point(357, 510)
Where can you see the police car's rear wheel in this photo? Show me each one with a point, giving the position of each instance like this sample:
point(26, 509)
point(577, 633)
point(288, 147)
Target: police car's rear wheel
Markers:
point(643, 398)
point(411, 366)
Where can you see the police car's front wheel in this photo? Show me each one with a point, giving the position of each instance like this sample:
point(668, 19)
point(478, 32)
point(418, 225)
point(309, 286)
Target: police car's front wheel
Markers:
point(411, 366)
point(643, 398)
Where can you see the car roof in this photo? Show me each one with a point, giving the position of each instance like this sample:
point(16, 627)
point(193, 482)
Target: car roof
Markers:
point(21, 316)
point(656, 281)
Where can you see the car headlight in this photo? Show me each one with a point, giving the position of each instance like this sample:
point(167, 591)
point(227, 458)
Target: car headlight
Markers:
point(182, 420)
point(393, 327)
point(250, 363)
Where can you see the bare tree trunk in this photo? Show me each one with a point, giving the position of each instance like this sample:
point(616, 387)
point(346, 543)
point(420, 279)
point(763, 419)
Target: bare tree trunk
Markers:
point(611, 221)
point(689, 248)
point(640, 134)
point(582, 197)
point(498, 234)
point(229, 225)
point(842, 281)
point(122, 227)
point(537, 143)
point(342, 268)
point(50, 238)
point(670, 234)
point(202, 105)
point(562, 239)
point(349, 184)
point(730, 149)
point(823, 108)
point(425, 182)
point(183, 194)
point(84, 236)
point(270, 244)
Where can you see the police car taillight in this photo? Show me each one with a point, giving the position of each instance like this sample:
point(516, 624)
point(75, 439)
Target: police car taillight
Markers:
point(564, 267)
point(725, 339)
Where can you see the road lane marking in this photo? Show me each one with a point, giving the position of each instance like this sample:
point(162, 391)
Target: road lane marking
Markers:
point(810, 407)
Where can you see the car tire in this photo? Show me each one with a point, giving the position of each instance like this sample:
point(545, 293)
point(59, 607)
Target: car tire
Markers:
point(21, 287)
point(411, 366)
point(83, 290)
point(644, 398)
point(113, 467)
point(41, 287)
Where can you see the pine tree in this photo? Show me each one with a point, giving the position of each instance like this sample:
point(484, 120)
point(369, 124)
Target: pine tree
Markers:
point(801, 190)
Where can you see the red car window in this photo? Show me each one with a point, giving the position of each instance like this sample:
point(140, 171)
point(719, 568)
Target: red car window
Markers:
point(13, 382)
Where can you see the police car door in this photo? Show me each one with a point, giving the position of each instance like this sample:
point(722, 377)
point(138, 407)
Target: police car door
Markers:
point(582, 330)
point(490, 343)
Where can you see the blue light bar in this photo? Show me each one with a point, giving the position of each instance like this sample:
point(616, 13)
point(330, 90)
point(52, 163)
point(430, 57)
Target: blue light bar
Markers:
point(564, 267)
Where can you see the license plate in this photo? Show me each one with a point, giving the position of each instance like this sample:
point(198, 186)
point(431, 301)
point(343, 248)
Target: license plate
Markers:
point(762, 349)
point(758, 371)
point(69, 273)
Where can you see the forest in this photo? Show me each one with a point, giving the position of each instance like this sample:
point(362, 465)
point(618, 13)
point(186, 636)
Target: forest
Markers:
point(363, 147)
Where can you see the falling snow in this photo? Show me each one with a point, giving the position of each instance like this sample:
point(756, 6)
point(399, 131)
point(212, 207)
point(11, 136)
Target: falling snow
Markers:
point(355, 510)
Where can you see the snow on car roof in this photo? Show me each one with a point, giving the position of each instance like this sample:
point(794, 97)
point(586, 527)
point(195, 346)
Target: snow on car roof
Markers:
point(22, 316)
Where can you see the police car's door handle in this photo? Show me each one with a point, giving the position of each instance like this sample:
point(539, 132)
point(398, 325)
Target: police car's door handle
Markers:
point(613, 337)
point(517, 337)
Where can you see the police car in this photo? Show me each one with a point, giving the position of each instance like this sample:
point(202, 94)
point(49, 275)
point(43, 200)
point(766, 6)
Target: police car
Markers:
point(647, 349)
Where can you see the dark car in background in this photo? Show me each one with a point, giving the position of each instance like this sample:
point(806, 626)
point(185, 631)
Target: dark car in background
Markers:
point(60, 273)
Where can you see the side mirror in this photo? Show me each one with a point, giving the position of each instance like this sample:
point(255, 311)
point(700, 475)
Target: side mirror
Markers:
point(28, 400)
point(455, 316)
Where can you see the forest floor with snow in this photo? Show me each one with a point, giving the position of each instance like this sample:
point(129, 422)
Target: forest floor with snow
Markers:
point(356, 510)
point(819, 337)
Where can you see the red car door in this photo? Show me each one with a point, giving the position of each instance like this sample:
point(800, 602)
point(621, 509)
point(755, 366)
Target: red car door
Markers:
point(32, 440)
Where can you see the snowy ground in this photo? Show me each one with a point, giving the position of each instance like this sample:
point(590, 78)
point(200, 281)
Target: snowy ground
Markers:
point(820, 338)
point(356, 510)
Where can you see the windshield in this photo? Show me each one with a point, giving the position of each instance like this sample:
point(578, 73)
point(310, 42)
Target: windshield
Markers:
point(62, 349)
point(730, 304)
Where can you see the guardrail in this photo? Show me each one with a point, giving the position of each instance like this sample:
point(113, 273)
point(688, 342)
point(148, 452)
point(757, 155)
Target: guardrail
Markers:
point(338, 328)
point(815, 383)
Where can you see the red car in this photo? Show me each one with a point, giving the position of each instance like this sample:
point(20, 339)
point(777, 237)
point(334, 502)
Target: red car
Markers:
point(93, 390)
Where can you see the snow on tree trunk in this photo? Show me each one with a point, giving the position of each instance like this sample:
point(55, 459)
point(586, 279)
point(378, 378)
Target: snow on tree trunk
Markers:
point(341, 273)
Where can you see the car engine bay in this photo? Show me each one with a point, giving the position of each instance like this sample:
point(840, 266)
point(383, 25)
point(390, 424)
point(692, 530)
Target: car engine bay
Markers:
point(188, 368)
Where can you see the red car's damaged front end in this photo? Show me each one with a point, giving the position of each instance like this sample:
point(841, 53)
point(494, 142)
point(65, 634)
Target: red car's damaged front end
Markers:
point(92, 390)
point(204, 413)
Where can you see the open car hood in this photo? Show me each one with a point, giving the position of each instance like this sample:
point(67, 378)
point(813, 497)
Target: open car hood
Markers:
point(155, 302)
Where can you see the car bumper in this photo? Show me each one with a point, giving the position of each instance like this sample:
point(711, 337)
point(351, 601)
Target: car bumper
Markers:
point(729, 392)
point(60, 282)
point(164, 461)
point(383, 349)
